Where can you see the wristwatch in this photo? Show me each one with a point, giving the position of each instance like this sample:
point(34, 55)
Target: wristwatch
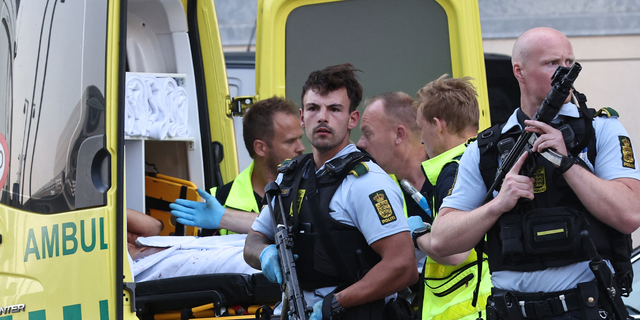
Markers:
point(418, 232)
point(336, 308)
point(566, 163)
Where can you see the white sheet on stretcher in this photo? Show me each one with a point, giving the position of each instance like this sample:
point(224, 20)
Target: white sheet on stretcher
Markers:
point(187, 256)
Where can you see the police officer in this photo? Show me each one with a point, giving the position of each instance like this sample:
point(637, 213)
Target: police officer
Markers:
point(447, 113)
point(540, 269)
point(391, 136)
point(352, 240)
point(272, 133)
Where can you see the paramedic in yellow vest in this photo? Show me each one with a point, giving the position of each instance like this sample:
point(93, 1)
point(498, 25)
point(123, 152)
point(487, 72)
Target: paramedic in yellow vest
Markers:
point(448, 116)
point(272, 133)
point(392, 137)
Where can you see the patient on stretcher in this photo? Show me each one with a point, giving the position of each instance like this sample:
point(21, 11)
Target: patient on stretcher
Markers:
point(158, 257)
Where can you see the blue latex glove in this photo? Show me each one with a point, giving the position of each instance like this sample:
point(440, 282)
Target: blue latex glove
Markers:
point(317, 311)
point(270, 264)
point(198, 214)
point(415, 222)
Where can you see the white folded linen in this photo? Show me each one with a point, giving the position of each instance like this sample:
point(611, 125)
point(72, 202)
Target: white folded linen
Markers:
point(158, 124)
point(136, 114)
point(180, 112)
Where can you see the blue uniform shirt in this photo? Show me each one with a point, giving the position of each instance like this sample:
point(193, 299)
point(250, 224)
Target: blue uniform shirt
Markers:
point(469, 190)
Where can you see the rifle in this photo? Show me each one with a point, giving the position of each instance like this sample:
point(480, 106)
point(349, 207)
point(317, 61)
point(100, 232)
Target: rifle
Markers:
point(561, 85)
point(294, 307)
point(604, 277)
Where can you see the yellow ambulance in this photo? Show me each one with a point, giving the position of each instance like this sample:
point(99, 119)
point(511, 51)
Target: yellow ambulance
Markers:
point(75, 145)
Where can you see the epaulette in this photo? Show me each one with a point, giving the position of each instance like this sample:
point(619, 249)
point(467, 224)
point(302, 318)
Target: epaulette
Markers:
point(287, 165)
point(338, 166)
point(607, 112)
point(360, 169)
point(470, 140)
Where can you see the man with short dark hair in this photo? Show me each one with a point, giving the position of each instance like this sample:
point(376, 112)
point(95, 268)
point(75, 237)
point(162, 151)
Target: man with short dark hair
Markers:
point(351, 236)
point(272, 133)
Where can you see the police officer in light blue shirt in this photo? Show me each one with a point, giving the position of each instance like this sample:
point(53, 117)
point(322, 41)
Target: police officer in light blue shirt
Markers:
point(540, 269)
point(349, 229)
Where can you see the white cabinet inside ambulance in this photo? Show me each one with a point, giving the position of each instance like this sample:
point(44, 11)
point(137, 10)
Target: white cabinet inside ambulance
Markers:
point(76, 139)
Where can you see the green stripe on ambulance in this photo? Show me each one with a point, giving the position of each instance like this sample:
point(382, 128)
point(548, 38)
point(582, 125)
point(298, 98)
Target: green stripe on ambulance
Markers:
point(72, 312)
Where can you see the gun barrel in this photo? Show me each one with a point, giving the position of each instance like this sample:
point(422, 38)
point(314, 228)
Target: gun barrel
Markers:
point(294, 304)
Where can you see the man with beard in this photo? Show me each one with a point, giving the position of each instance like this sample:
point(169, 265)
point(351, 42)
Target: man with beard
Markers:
point(271, 133)
point(349, 233)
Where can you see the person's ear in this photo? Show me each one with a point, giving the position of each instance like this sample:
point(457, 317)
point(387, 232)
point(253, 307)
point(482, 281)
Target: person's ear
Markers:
point(260, 147)
point(441, 125)
point(517, 71)
point(354, 117)
point(301, 117)
point(401, 133)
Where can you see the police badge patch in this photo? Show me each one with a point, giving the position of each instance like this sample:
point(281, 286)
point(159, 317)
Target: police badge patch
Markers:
point(383, 207)
point(627, 152)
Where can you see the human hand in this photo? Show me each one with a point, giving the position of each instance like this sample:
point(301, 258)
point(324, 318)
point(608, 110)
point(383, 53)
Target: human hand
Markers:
point(514, 187)
point(316, 314)
point(548, 137)
point(415, 222)
point(199, 214)
point(270, 264)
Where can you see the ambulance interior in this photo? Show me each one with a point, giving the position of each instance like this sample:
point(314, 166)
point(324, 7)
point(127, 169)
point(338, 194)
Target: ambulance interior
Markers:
point(158, 47)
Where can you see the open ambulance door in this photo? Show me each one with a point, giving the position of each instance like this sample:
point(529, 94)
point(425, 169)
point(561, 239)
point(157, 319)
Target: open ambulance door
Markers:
point(399, 45)
point(61, 213)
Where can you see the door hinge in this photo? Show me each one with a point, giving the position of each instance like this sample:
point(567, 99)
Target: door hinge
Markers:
point(239, 105)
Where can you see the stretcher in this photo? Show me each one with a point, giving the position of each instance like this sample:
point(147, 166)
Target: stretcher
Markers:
point(160, 191)
point(210, 295)
point(229, 295)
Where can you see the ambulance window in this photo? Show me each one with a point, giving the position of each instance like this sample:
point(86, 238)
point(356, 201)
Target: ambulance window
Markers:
point(403, 58)
point(56, 137)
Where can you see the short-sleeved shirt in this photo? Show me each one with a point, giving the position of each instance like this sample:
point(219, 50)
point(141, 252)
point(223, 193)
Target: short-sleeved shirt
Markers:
point(352, 206)
point(469, 191)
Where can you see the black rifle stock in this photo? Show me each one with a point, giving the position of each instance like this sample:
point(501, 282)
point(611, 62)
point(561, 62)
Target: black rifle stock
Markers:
point(294, 307)
point(561, 85)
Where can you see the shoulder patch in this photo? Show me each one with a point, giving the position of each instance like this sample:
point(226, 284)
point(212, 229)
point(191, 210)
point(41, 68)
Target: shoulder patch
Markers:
point(360, 169)
point(607, 112)
point(383, 207)
point(627, 152)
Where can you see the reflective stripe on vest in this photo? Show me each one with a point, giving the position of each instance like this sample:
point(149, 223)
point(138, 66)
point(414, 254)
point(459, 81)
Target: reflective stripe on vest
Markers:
point(449, 289)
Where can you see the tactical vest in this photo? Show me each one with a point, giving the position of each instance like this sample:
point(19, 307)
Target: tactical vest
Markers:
point(449, 289)
point(330, 253)
point(545, 232)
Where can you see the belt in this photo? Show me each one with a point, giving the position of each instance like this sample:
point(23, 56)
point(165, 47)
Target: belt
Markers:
point(542, 304)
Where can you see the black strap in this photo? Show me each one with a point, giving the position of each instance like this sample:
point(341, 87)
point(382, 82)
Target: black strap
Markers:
point(588, 125)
